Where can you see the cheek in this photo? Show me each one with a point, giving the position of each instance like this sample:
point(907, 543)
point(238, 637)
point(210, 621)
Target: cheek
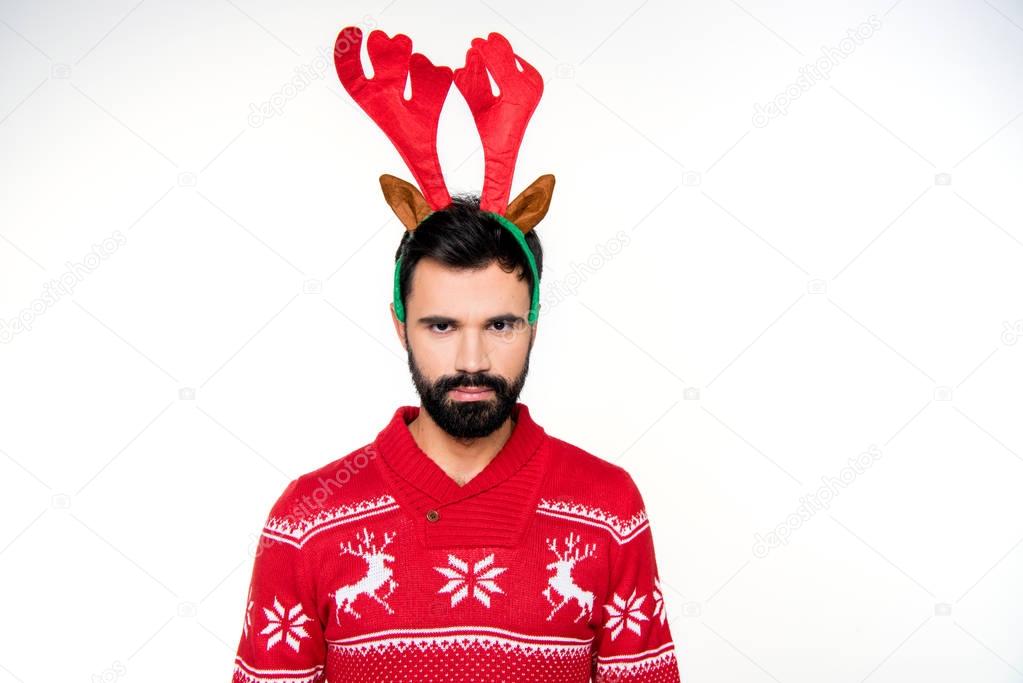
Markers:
point(434, 354)
point(510, 354)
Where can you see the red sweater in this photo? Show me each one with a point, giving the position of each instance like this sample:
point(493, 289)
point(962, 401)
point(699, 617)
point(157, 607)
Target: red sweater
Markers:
point(379, 568)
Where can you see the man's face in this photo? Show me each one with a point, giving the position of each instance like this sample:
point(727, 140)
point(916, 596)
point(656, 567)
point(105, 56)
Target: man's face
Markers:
point(468, 344)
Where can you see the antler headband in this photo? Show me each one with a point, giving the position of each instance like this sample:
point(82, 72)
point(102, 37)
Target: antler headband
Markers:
point(411, 125)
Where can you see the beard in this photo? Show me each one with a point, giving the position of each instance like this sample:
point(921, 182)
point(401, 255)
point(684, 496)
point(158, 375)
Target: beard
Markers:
point(468, 419)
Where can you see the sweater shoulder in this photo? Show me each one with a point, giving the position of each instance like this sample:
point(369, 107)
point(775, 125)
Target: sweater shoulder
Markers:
point(348, 487)
point(578, 477)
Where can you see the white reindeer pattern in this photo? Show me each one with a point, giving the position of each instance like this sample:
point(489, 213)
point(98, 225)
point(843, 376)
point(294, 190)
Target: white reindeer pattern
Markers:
point(377, 574)
point(562, 582)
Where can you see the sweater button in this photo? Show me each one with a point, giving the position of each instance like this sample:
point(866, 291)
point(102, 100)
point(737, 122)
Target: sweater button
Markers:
point(432, 516)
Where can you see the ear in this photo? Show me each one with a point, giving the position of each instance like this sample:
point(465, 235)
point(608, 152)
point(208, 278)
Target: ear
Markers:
point(399, 327)
point(405, 199)
point(531, 205)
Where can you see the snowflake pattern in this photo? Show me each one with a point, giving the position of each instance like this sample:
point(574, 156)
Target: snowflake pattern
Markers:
point(659, 601)
point(285, 625)
point(462, 580)
point(625, 613)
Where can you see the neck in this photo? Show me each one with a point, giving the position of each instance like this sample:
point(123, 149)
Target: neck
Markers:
point(461, 459)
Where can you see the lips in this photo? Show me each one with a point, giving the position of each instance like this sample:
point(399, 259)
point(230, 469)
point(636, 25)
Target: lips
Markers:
point(472, 390)
point(471, 394)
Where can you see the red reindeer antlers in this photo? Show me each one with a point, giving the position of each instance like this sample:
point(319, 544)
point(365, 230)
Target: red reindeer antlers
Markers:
point(410, 124)
point(501, 119)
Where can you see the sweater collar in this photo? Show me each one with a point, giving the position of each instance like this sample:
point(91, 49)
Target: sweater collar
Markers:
point(404, 456)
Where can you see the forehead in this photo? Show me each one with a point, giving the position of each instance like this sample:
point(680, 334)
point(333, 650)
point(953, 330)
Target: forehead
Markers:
point(437, 288)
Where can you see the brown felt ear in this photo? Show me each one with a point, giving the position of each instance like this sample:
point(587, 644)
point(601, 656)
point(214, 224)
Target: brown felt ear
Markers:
point(406, 201)
point(531, 205)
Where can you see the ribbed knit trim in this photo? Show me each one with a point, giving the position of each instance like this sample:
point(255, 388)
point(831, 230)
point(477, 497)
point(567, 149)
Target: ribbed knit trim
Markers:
point(402, 453)
point(491, 509)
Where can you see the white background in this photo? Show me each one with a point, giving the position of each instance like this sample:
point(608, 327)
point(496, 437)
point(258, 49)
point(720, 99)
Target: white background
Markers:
point(846, 278)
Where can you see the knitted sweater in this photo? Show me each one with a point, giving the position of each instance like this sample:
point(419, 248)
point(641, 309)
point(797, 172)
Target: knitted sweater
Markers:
point(379, 568)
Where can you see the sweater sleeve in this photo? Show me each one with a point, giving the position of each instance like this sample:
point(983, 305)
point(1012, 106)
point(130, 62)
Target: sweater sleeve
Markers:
point(633, 642)
point(282, 637)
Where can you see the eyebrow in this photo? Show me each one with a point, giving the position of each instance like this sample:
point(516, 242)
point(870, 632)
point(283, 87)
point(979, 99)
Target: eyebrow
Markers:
point(442, 319)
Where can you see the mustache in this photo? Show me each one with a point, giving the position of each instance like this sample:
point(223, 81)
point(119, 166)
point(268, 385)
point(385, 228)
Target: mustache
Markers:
point(449, 382)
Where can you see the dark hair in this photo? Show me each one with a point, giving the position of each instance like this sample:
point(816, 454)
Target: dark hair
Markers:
point(463, 236)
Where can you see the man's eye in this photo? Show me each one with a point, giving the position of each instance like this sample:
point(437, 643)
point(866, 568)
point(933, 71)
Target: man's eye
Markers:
point(499, 325)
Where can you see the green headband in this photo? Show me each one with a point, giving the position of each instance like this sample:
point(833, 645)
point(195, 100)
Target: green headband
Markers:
point(534, 307)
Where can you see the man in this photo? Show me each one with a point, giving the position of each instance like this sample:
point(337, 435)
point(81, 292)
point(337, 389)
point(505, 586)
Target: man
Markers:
point(464, 543)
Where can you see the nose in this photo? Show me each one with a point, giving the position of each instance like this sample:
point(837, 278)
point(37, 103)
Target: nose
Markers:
point(473, 355)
